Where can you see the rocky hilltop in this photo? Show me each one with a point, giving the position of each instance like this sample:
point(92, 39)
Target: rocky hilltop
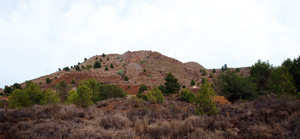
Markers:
point(141, 67)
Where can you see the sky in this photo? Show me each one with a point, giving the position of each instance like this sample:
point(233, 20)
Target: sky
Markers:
point(39, 36)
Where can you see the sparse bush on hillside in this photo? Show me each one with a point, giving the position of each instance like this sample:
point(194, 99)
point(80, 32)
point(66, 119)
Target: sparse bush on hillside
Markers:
point(66, 69)
point(97, 64)
point(73, 81)
point(126, 78)
point(293, 67)
point(155, 96)
point(59, 69)
point(63, 88)
point(201, 70)
point(193, 83)
point(211, 75)
point(8, 89)
point(110, 91)
point(89, 67)
point(103, 55)
point(120, 72)
point(172, 85)
point(77, 68)
point(31, 95)
point(48, 80)
point(85, 59)
point(204, 100)
point(107, 58)
point(237, 69)
point(106, 68)
point(111, 65)
point(214, 71)
point(142, 88)
point(163, 89)
point(183, 86)
point(81, 97)
point(261, 73)
point(204, 73)
point(281, 82)
point(96, 58)
point(142, 61)
point(187, 95)
point(233, 86)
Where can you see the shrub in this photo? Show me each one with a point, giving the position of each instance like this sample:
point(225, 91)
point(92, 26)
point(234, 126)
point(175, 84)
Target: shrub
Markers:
point(172, 85)
point(106, 68)
point(63, 88)
point(50, 97)
point(163, 89)
point(89, 67)
point(142, 88)
point(193, 83)
point(103, 55)
point(281, 82)
point(204, 73)
point(126, 78)
point(261, 73)
point(31, 95)
point(8, 90)
point(142, 61)
point(233, 86)
point(211, 75)
point(48, 80)
point(77, 68)
point(120, 72)
point(204, 100)
point(82, 97)
point(298, 95)
point(214, 71)
point(59, 69)
point(110, 91)
point(97, 64)
point(201, 70)
point(183, 86)
point(107, 58)
point(73, 81)
point(111, 65)
point(155, 96)
point(66, 69)
point(85, 59)
point(237, 69)
point(142, 96)
point(187, 95)
point(293, 67)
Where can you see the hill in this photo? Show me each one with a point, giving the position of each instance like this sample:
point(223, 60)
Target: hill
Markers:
point(142, 67)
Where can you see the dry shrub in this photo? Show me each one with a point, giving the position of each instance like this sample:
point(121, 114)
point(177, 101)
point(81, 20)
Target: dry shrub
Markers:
point(115, 121)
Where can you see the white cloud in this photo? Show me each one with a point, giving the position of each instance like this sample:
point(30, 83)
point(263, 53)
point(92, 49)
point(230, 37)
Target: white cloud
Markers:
point(41, 36)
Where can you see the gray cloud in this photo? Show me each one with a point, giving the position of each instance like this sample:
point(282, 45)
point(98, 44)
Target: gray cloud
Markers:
point(38, 37)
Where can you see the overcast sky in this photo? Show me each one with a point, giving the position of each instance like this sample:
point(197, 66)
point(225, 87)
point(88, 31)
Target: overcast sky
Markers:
point(39, 36)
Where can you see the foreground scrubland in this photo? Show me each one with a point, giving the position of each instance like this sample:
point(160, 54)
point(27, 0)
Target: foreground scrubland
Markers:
point(266, 117)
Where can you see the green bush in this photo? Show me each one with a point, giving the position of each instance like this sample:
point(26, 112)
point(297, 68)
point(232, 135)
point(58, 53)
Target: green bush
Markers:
point(8, 89)
point(142, 61)
point(110, 91)
point(204, 73)
point(201, 70)
point(214, 71)
point(293, 67)
point(155, 96)
point(97, 64)
point(187, 95)
point(172, 85)
point(63, 88)
point(77, 68)
point(234, 86)
point(163, 89)
point(48, 80)
point(106, 68)
point(66, 69)
point(142, 96)
point(81, 97)
point(193, 83)
point(120, 72)
point(237, 69)
point(281, 82)
point(142, 88)
point(126, 78)
point(31, 95)
point(261, 73)
point(111, 65)
point(73, 81)
point(298, 96)
point(85, 59)
point(103, 55)
point(211, 75)
point(183, 86)
point(204, 100)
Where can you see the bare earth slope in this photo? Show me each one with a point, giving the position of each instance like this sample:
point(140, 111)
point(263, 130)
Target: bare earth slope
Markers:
point(142, 67)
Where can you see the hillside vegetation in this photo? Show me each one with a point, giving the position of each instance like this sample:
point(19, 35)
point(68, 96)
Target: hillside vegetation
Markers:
point(147, 95)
